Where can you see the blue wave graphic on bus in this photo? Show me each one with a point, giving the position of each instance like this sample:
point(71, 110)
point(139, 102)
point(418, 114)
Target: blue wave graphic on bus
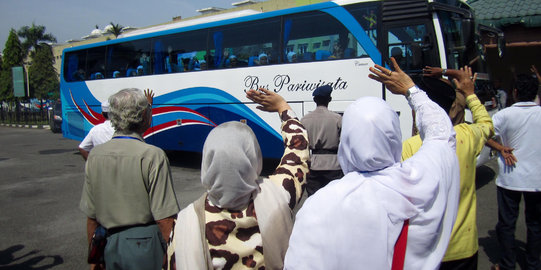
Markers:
point(185, 125)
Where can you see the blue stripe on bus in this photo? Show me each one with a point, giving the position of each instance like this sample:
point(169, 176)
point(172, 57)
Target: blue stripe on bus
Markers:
point(210, 105)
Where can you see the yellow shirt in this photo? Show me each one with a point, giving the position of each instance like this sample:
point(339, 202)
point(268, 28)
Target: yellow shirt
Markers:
point(470, 139)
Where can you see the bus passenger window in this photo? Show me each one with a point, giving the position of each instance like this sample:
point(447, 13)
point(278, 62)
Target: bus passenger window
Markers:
point(127, 57)
point(405, 46)
point(329, 41)
point(366, 16)
point(244, 44)
point(182, 52)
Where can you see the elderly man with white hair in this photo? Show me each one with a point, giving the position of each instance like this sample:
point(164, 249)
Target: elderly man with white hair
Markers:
point(383, 214)
point(128, 188)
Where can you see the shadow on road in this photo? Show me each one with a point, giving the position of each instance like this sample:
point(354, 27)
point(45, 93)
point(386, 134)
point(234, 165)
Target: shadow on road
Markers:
point(192, 160)
point(483, 175)
point(489, 245)
point(28, 261)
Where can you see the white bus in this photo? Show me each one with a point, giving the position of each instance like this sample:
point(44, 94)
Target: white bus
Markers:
point(200, 69)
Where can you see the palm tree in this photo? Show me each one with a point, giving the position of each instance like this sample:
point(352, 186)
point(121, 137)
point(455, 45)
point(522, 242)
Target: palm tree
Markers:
point(34, 36)
point(115, 29)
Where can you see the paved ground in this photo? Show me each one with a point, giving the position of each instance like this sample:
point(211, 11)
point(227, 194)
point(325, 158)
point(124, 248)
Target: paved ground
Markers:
point(40, 186)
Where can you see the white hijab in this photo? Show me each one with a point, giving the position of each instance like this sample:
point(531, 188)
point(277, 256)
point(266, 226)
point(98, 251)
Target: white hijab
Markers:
point(231, 164)
point(356, 220)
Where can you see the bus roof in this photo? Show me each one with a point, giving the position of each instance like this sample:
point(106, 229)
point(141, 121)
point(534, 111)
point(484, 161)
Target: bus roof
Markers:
point(212, 21)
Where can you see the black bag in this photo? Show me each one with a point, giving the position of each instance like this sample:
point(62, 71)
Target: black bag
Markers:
point(97, 246)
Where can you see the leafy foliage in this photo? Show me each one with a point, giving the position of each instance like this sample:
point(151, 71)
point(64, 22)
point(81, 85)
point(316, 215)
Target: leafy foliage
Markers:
point(42, 74)
point(13, 56)
point(35, 37)
point(115, 29)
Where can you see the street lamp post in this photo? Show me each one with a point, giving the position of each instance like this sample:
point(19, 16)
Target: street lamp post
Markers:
point(26, 64)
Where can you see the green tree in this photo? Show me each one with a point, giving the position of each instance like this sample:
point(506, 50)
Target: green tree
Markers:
point(35, 37)
point(115, 29)
point(42, 74)
point(13, 56)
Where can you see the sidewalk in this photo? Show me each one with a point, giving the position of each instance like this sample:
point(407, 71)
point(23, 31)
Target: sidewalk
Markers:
point(46, 126)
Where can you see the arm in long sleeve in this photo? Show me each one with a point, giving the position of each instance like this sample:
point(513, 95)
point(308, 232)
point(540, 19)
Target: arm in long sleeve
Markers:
point(432, 121)
point(482, 126)
point(291, 172)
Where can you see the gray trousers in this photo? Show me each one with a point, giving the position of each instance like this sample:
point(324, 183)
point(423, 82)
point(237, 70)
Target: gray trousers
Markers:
point(135, 248)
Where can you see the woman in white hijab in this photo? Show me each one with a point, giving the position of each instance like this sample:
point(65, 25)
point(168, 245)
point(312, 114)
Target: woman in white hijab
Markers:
point(243, 221)
point(355, 222)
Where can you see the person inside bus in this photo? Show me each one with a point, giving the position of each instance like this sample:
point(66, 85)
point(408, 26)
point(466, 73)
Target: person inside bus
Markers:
point(140, 70)
point(144, 60)
point(79, 75)
point(263, 59)
point(337, 52)
point(98, 76)
point(243, 220)
point(398, 55)
point(116, 74)
point(356, 222)
point(232, 61)
point(131, 72)
point(292, 57)
point(203, 65)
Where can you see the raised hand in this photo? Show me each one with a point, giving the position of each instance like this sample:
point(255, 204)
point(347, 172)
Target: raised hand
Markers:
point(464, 81)
point(268, 100)
point(396, 81)
point(150, 96)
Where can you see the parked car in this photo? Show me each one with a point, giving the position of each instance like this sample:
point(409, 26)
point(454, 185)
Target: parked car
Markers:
point(55, 117)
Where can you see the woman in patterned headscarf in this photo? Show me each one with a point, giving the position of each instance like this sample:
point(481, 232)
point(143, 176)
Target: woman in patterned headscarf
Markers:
point(242, 220)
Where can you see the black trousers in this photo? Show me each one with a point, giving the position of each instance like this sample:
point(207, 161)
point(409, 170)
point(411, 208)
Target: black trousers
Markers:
point(319, 179)
point(508, 206)
point(462, 264)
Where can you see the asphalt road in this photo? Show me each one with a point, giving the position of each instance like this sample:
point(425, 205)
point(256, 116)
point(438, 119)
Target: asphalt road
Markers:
point(41, 176)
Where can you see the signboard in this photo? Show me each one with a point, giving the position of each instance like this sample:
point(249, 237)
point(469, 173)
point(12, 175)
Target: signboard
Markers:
point(18, 81)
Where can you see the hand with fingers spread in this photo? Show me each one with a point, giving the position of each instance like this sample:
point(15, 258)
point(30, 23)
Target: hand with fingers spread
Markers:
point(464, 81)
point(268, 100)
point(396, 81)
point(150, 96)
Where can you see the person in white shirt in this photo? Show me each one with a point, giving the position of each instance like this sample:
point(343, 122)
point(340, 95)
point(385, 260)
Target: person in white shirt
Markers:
point(355, 222)
point(519, 127)
point(99, 134)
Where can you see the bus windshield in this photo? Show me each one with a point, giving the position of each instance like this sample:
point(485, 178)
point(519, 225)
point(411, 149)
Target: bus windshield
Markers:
point(459, 39)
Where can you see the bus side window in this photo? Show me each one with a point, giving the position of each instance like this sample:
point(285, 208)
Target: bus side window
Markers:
point(366, 16)
point(181, 52)
point(404, 45)
point(246, 44)
point(129, 59)
point(96, 62)
point(74, 67)
point(330, 40)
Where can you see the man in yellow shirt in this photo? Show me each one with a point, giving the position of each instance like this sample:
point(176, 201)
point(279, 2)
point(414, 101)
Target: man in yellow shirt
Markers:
point(470, 139)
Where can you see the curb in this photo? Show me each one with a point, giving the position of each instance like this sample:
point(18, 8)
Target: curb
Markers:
point(25, 126)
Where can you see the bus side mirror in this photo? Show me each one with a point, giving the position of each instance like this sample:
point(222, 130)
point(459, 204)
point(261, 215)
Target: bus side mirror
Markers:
point(467, 29)
point(492, 33)
point(501, 45)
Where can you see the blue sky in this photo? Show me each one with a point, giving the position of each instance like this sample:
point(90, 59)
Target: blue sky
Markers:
point(77, 18)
